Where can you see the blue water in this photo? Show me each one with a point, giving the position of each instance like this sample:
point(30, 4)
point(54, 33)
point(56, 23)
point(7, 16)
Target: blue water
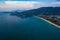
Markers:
point(31, 28)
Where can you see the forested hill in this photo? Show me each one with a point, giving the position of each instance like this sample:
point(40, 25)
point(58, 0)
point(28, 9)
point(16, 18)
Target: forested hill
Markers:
point(43, 11)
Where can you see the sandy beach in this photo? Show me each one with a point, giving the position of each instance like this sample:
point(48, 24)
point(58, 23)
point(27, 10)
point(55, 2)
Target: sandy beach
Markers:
point(48, 21)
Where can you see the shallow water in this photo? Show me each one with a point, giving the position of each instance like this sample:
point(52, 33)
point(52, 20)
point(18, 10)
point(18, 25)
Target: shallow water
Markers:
point(31, 28)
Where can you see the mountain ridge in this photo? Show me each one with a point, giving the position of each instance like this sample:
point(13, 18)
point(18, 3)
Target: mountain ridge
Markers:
point(43, 11)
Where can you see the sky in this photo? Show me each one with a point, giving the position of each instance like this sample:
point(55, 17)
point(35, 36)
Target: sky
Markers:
point(9, 5)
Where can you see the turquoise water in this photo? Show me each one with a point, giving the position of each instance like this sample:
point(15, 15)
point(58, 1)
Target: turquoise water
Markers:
point(31, 28)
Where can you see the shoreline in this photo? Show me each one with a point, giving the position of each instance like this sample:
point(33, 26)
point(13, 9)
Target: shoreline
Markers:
point(48, 21)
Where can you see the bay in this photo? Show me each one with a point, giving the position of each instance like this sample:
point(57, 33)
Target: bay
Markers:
point(31, 28)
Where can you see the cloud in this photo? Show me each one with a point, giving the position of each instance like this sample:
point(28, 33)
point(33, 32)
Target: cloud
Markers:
point(25, 5)
point(55, 3)
point(22, 5)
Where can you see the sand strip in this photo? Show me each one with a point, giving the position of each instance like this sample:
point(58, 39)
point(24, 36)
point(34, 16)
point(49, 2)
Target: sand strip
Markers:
point(48, 21)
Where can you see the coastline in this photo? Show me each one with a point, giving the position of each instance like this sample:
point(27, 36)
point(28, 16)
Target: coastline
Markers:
point(48, 21)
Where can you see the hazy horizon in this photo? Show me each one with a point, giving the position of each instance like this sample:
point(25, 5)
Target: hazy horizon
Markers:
point(8, 5)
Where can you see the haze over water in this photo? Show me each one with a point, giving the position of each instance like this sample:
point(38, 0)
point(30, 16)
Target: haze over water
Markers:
point(31, 28)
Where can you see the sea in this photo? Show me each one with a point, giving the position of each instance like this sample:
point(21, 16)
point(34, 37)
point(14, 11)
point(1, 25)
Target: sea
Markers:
point(16, 28)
